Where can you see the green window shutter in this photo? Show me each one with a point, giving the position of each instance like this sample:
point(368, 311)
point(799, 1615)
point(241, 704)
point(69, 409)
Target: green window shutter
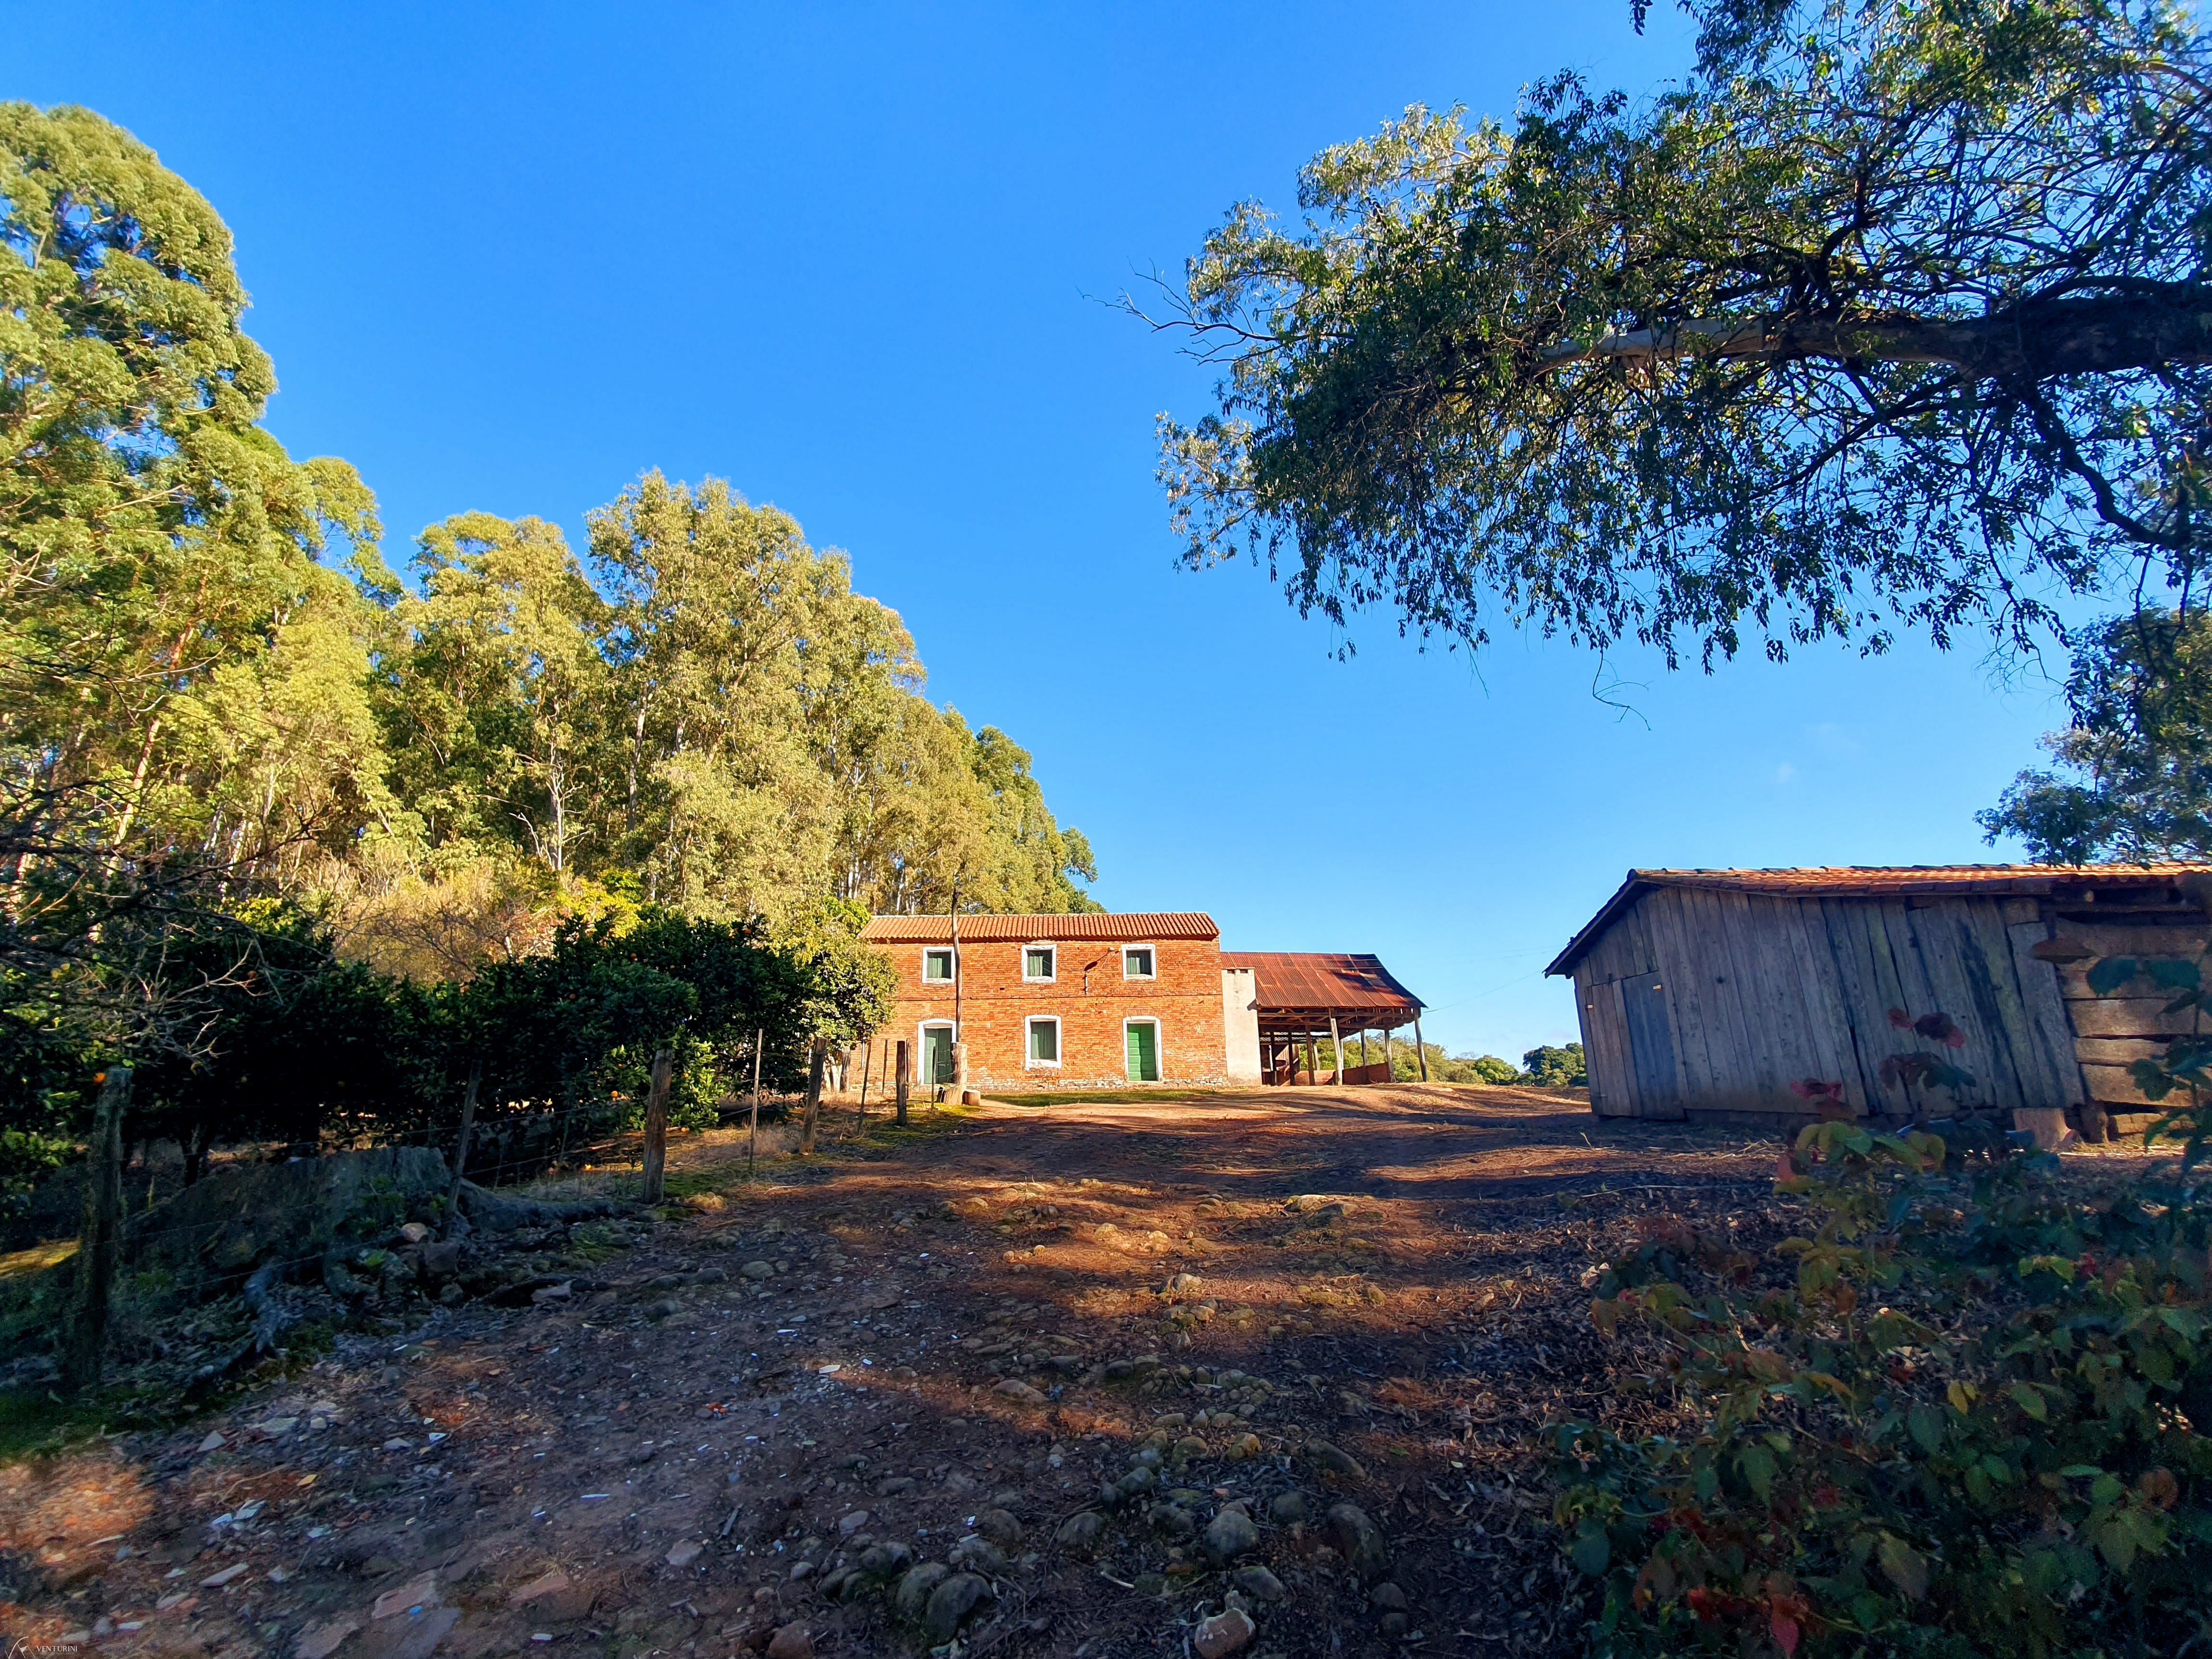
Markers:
point(1044, 1040)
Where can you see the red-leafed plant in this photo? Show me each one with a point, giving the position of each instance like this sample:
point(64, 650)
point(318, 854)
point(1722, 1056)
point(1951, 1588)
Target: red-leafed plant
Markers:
point(1963, 1412)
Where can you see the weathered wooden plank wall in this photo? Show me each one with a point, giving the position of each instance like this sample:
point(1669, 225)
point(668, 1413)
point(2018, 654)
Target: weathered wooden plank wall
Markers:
point(1704, 1001)
point(2111, 1033)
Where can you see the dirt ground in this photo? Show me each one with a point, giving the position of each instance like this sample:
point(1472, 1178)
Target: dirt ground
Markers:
point(747, 1416)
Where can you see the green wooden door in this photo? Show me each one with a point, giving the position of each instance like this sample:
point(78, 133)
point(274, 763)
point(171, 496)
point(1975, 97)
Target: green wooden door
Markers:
point(937, 1055)
point(1144, 1053)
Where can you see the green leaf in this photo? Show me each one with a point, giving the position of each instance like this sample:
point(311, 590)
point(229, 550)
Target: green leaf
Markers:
point(1903, 1566)
point(1926, 1424)
point(1593, 1552)
point(2175, 976)
point(1758, 1469)
point(2110, 974)
point(2029, 1399)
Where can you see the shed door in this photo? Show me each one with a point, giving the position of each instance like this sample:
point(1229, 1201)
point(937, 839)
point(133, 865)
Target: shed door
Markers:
point(1651, 1046)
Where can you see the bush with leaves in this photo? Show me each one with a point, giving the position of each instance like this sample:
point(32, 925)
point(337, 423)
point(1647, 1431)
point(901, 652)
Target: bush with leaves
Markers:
point(1969, 1418)
point(1551, 1068)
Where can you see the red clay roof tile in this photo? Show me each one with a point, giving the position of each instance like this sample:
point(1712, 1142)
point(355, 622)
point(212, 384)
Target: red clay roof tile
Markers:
point(1134, 927)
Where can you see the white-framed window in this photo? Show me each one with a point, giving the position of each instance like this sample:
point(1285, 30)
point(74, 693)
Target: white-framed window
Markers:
point(1141, 1044)
point(1040, 964)
point(937, 965)
point(1042, 1048)
point(1139, 962)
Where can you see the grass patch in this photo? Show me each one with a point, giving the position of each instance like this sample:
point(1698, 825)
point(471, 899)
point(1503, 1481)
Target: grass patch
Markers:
point(22, 1264)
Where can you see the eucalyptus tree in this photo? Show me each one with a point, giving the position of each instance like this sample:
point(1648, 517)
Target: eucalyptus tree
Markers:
point(1893, 315)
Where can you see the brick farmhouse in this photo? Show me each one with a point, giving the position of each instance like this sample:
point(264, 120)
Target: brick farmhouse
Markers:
point(1095, 1000)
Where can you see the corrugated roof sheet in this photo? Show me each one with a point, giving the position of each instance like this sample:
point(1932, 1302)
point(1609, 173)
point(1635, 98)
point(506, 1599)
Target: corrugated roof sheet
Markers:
point(1321, 982)
point(1134, 927)
point(1874, 881)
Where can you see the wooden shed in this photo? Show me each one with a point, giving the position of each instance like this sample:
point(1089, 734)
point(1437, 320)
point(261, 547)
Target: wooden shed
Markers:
point(1707, 993)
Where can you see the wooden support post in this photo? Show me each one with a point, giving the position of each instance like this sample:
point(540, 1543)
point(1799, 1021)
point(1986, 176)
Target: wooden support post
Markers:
point(903, 1080)
point(100, 1243)
point(1313, 1058)
point(461, 1151)
point(1420, 1048)
point(656, 1128)
point(753, 1130)
point(1387, 1066)
point(1362, 1048)
point(816, 1062)
point(1336, 1051)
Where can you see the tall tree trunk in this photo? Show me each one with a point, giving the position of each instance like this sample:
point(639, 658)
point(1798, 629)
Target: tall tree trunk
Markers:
point(100, 1243)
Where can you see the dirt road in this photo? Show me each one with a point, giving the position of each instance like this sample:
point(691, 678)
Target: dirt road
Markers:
point(748, 1419)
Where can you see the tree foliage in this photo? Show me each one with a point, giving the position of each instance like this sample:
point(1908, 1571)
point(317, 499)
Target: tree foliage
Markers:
point(292, 835)
point(2135, 758)
point(1892, 314)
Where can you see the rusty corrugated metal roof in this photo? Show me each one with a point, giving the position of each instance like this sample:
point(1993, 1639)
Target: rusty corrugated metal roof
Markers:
point(1132, 927)
point(1322, 982)
point(1875, 881)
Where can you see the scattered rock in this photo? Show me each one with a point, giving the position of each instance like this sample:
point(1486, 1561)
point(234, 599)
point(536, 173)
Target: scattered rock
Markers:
point(893, 1487)
point(1359, 1540)
point(1190, 1446)
point(683, 1554)
point(1290, 1507)
point(1230, 1535)
point(849, 1525)
point(1175, 1520)
point(885, 1561)
point(791, 1641)
point(1244, 1447)
point(1334, 1459)
point(1000, 1528)
point(950, 1603)
point(916, 1589)
point(216, 1581)
point(1223, 1634)
point(414, 1232)
point(757, 1270)
point(1014, 1388)
point(416, 1593)
point(1394, 1623)
point(212, 1442)
point(321, 1641)
point(1080, 1531)
point(979, 1553)
point(551, 1583)
point(1387, 1598)
point(1256, 1582)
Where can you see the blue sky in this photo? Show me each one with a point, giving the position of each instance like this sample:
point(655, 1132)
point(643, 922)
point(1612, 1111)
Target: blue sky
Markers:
point(852, 258)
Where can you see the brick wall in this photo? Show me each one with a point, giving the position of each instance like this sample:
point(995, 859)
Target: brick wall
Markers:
point(996, 1004)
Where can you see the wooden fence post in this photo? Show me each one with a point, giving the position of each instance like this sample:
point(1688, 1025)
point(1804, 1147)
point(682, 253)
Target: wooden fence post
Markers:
point(815, 1062)
point(902, 1075)
point(461, 1152)
point(1420, 1048)
point(753, 1130)
point(867, 1061)
point(656, 1127)
point(100, 1243)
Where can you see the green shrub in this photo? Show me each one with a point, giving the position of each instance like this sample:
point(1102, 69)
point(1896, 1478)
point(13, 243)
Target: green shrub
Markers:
point(1964, 1415)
